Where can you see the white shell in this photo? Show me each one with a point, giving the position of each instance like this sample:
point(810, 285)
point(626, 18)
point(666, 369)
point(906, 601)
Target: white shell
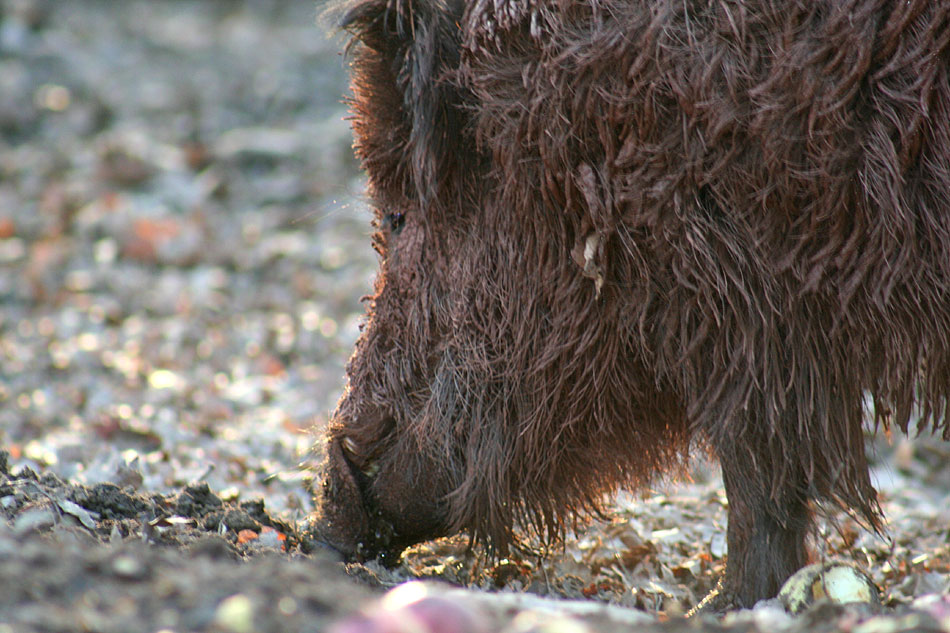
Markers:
point(835, 582)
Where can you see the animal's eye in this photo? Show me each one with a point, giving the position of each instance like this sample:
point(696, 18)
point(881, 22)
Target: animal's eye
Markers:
point(395, 222)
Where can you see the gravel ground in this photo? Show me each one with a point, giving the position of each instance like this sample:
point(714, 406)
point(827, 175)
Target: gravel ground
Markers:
point(182, 251)
point(182, 257)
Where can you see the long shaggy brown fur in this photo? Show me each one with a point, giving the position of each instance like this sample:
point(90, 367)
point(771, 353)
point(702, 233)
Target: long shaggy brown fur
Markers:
point(611, 230)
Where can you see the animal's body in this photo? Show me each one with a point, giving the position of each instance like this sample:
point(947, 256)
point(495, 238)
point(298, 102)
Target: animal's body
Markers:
point(612, 231)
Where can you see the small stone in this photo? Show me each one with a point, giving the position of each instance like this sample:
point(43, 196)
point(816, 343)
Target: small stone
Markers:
point(128, 567)
point(235, 614)
point(40, 517)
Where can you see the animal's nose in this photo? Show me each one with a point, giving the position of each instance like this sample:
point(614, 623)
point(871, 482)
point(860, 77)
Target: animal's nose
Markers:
point(341, 521)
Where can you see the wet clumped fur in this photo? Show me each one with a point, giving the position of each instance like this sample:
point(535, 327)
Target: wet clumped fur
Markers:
point(612, 232)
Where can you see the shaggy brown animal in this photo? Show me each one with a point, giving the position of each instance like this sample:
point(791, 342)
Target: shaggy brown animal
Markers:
point(613, 231)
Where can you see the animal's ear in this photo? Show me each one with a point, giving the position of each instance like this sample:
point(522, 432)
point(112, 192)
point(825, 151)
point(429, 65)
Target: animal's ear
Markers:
point(408, 103)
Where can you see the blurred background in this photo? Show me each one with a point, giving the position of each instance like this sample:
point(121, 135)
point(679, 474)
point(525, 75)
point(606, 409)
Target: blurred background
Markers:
point(182, 242)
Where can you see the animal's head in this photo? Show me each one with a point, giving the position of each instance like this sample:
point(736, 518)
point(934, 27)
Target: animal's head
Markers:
point(495, 377)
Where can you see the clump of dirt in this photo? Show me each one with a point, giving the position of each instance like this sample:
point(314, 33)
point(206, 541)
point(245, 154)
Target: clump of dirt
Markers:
point(33, 502)
point(106, 559)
